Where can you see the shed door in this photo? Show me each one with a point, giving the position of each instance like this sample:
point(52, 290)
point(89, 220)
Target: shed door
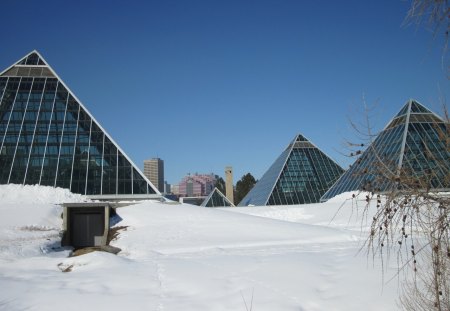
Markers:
point(85, 226)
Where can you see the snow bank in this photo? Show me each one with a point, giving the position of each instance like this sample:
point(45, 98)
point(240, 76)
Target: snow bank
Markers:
point(28, 206)
point(35, 194)
point(30, 219)
point(183, 257)
point(343, 211)
point(170, 229)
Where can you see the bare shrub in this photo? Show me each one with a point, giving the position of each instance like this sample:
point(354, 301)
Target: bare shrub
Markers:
point(412, 220)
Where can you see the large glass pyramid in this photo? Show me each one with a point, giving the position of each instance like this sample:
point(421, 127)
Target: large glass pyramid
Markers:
point(415, 143)
point(216, 199)
point(48, 137)
point(300, 175)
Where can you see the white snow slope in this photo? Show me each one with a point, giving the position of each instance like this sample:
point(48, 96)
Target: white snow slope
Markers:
point(183, 257)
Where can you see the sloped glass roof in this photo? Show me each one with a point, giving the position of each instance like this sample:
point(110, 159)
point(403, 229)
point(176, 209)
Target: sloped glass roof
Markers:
point(300, 137)
point(403, 111)
point(259, 195)
point(216, 199)
point(32, 59)
point(413, 144)
point(301, 174)
point(48, 137)
point(31, 65)
point(418, 108)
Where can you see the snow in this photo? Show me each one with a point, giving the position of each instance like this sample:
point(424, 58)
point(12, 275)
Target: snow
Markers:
point(30, 216)
point(343, 211)
point(184, 257)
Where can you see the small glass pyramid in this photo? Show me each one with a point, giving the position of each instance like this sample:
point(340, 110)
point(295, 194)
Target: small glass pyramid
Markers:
point(216, 199)
point(300, 175)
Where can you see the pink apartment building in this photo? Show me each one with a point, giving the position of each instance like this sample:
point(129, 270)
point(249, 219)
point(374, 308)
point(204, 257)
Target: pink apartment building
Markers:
point(196, 185)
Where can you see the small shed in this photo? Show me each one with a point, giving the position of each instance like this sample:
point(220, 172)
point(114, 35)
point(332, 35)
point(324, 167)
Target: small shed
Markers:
point(86, 224)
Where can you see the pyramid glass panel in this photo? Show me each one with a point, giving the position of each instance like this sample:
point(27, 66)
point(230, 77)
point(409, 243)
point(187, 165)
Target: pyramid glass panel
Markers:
point(415, 145)
point(418, 108)
point(259, 195)
point(31, 59)
point(300, 175)
point(216, 199)
point(47, 137)
point(403, 111)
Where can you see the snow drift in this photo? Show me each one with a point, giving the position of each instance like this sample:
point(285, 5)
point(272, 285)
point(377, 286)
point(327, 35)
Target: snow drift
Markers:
point(183, 257)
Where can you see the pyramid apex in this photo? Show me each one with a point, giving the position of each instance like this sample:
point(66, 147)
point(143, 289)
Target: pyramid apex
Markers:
point(33, 58)
point(300, 137)
point(36, 52)
point(413, 106)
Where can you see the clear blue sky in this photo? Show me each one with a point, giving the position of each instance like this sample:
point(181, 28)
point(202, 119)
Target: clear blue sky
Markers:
point(206, 84)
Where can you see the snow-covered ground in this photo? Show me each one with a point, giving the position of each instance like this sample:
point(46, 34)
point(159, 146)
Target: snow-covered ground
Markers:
point(183, 257)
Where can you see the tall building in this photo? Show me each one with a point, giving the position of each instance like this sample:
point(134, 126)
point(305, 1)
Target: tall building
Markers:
point(414, 143)
point(167, 188)
point(301, 174)
point(154, 170)
point(229, 189)
point(48, 137)
point(196, 185)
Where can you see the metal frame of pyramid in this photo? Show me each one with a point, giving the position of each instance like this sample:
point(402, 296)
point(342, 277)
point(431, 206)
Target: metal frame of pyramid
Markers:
point(210, 200)
point(34, 68)
point(411, 144)
point(300, 175)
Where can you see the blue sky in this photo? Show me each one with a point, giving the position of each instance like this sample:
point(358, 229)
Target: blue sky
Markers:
point(206, 84)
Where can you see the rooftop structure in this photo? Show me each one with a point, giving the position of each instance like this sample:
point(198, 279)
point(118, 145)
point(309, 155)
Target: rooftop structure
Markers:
point(48, 137)
point(414, 143)
point(216, 199)
point(229, 189)
point(301, 174)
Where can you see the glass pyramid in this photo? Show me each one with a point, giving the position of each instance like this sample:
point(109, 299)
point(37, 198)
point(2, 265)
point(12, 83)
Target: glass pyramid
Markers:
point(415, 143)
point(48, 137)
point(216, 199)
point(300, 175)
